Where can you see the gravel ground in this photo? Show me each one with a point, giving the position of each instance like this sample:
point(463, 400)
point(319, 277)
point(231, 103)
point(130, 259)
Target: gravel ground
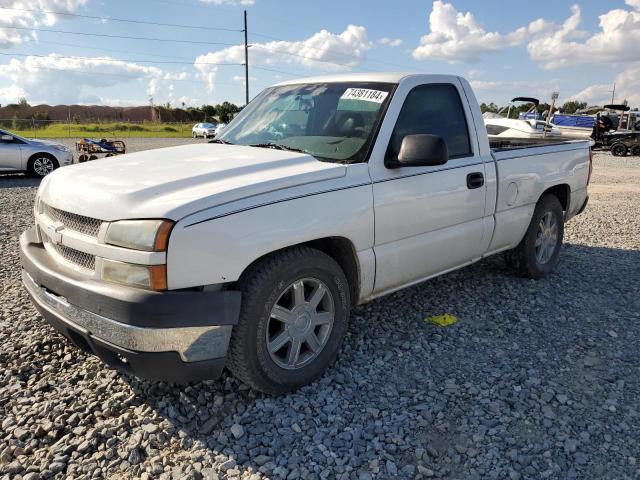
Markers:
point(536, 380)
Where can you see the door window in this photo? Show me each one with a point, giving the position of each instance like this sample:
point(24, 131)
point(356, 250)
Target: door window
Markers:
point(433, 109)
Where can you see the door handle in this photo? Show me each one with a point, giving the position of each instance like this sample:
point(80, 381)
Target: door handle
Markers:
point(475, 180)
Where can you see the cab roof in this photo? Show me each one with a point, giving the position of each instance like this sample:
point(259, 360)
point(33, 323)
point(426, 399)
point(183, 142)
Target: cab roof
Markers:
point(382, 77)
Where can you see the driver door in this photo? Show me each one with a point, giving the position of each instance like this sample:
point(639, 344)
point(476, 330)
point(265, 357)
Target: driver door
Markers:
point(428, 219)
point(10, 153)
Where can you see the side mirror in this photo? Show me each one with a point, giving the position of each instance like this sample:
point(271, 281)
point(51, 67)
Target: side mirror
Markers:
point(6, 138)
point(421, 150)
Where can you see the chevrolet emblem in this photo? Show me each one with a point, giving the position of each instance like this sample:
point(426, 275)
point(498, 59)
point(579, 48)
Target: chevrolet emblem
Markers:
point(55, 233)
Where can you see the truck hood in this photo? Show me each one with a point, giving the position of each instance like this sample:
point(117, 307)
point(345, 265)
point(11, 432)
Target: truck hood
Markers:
point(175, 182)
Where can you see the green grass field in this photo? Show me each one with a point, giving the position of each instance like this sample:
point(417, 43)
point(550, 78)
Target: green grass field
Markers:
point(103, 130)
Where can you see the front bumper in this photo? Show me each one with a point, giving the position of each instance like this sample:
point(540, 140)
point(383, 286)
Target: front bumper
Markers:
point(176, 336)
point(67, 158)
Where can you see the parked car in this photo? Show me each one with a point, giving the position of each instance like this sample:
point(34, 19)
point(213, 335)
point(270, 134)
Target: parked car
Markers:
point(220, 128)
point(36, 157)
point(204, 130)
point(249, 252)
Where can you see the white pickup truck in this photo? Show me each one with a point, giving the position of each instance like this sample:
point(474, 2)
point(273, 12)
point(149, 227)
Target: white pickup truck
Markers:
point(323, 193)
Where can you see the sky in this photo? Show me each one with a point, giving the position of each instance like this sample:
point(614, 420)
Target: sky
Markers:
point(190, 52)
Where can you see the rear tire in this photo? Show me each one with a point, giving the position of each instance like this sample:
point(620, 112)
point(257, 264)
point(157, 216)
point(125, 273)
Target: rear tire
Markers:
point(41, 164)
point(276, 312)
point(635, 151)
point(538, 253)
point(619, 150)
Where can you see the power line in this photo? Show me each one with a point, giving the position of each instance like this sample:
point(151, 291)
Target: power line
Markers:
point(279, 71)
point(114, 50)
point(184, 4)
point(172, 40)
point(116, 59)
point(123, 20)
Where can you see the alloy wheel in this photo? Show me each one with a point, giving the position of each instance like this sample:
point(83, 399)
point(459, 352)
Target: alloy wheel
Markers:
point(547, 238)
point(300, 323)
point(43, 166)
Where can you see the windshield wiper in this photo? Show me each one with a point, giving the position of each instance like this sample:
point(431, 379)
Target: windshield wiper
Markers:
point(219, 140)
point(277, 146)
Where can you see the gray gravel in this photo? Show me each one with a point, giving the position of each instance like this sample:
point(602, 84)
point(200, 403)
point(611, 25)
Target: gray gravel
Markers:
point(536, 380)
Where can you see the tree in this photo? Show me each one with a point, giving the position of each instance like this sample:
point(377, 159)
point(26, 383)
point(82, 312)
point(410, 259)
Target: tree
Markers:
point(492, 107)
point(23, 102)
point(572, 106)
point(226, 111)
point(209, 111)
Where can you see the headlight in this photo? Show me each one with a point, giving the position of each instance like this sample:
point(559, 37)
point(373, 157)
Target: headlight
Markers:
point(62, 148)
point(153, 277)
point(147, 235)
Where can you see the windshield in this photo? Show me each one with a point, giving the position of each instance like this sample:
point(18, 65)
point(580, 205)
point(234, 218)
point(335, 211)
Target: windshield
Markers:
point(207, 125)
point(331, 121)
point(18, 137)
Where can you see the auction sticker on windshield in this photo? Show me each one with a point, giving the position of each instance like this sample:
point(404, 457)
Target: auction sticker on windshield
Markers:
point(365, 94)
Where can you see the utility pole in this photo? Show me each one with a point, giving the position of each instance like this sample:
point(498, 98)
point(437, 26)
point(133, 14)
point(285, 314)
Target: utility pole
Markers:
point(246, 60)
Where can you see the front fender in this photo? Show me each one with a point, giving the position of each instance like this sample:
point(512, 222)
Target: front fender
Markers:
point(218, 250)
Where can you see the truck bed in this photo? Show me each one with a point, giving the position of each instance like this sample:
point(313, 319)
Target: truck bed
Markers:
point(516, 143)
point(534, 147)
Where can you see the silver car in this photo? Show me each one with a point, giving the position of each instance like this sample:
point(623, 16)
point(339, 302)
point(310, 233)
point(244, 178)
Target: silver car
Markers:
point(204, 130)
point(36, 157)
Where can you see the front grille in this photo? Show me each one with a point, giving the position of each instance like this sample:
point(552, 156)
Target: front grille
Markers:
point(78, 258)
point(72, 221)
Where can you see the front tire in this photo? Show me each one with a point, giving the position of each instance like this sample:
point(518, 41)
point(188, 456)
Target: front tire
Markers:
point(635, 151)
point(41, 165)
point(538, 253)
point(293, 319)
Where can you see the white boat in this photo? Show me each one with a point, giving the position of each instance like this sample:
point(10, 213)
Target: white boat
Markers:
point(529, 126)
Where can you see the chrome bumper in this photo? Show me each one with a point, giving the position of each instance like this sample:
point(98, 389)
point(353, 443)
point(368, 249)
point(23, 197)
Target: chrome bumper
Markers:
point(191, 343)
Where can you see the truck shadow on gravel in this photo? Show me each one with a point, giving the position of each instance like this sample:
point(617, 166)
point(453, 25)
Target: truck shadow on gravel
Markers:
point(531, 369)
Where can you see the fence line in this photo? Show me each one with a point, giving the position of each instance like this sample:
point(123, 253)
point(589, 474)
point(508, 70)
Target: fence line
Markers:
point(36, 128)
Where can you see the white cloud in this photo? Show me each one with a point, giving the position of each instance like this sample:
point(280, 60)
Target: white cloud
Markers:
point(11, 94)
point(153, 87)
point(34, 18)
point(391, 42)
point(241, 80)
point(49, 78)
point(473, 73)
point(500, 91)
point(176, 76)
point(228, 2)
point(323, 50)
point(627, 88)
point(188, 101)
point(594, 94)
point(458, 37)
point(616, 41)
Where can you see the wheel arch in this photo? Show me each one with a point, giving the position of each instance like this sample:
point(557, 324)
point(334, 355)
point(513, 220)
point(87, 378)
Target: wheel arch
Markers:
point(33, 156)
point(28, 166)
point(340, 249)
point(562, 192)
